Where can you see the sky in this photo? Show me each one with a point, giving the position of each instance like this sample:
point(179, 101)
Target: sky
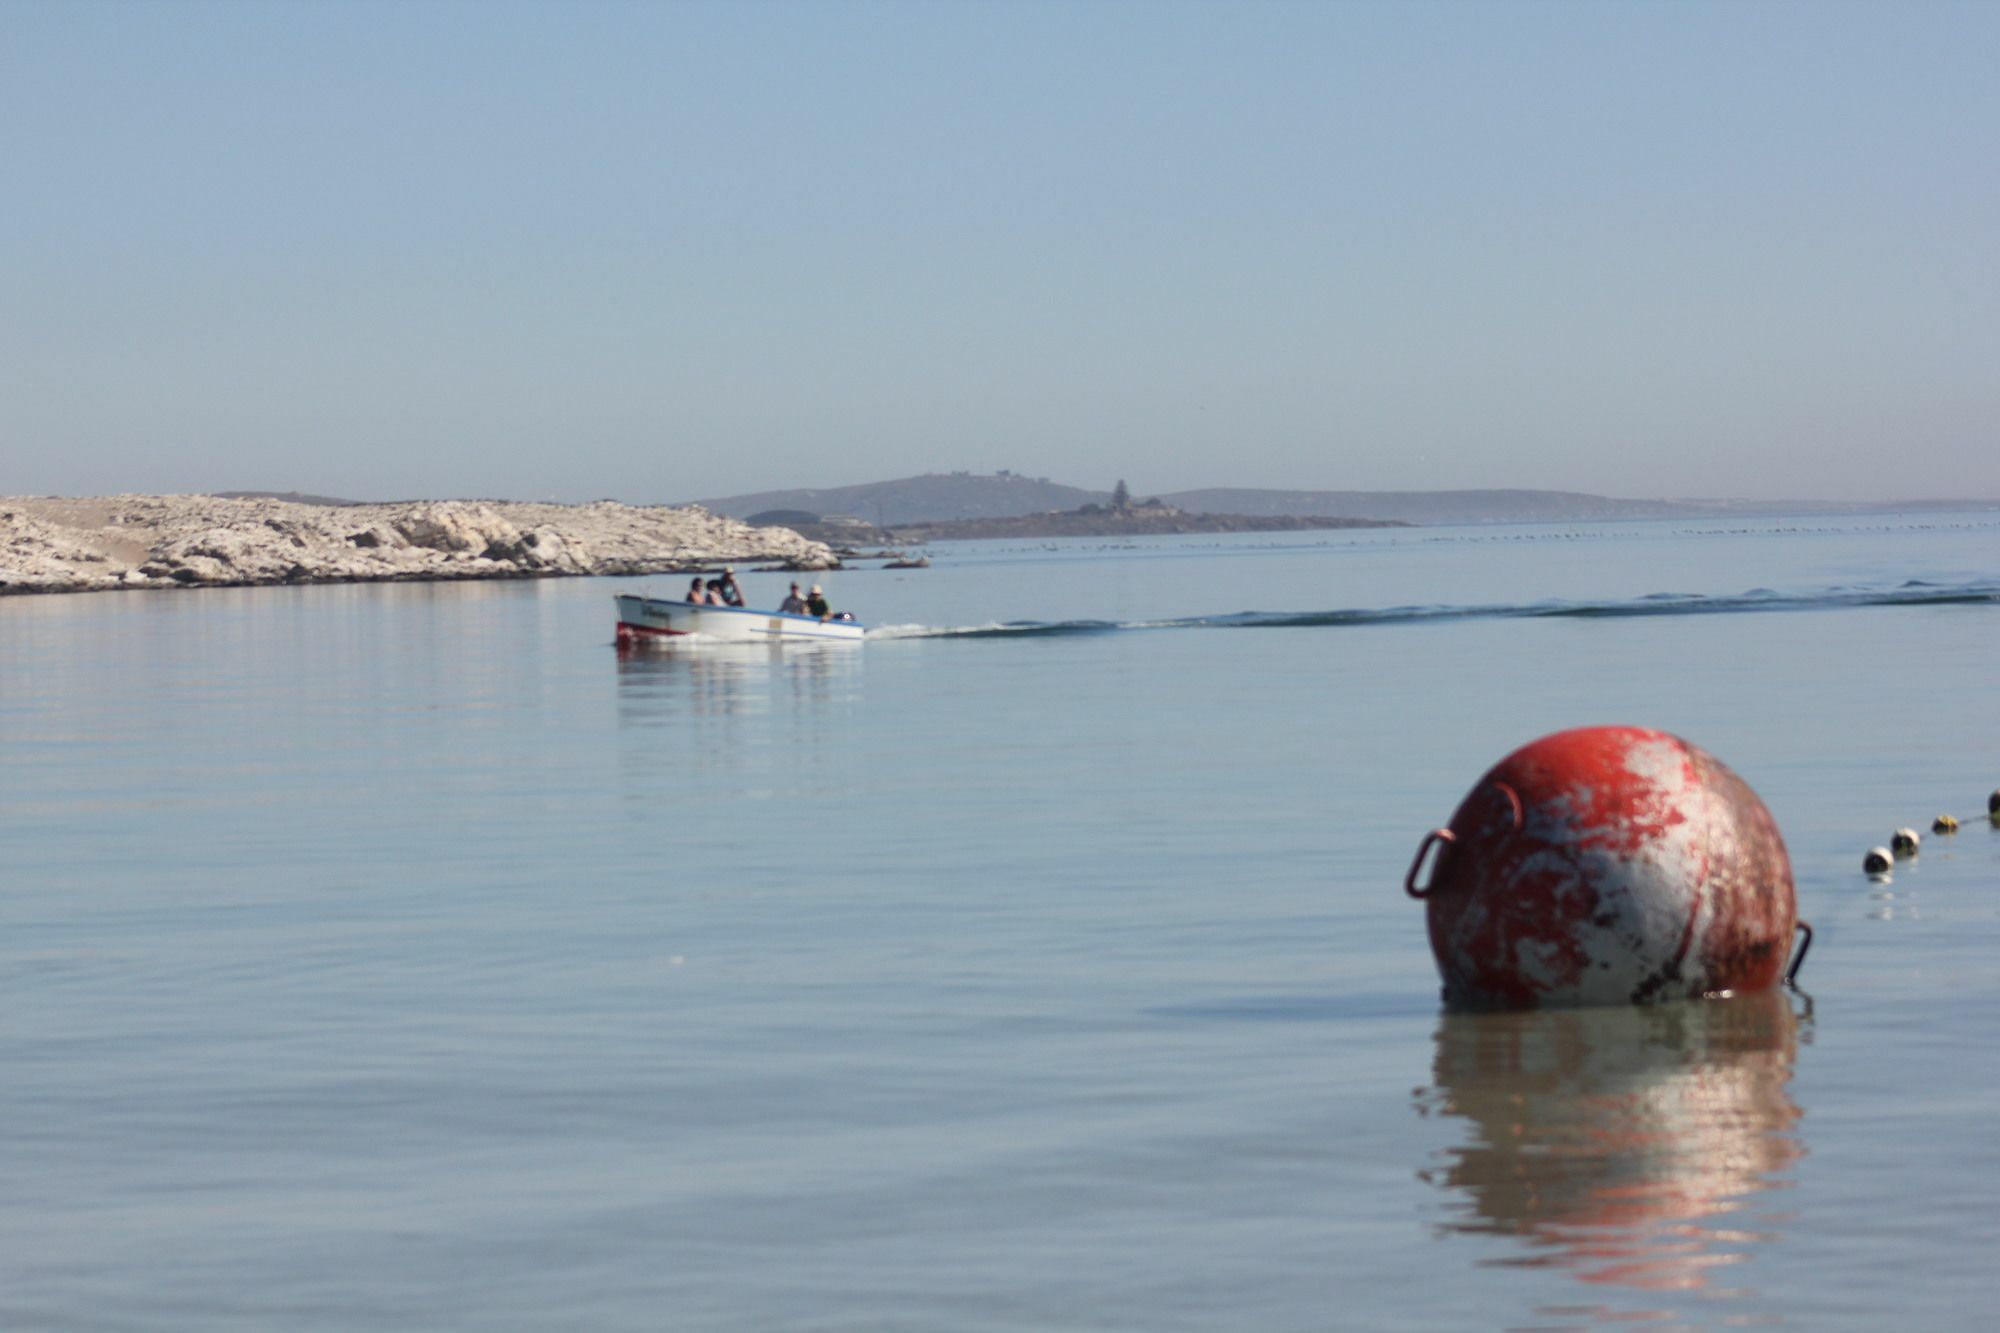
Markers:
point(665, 251)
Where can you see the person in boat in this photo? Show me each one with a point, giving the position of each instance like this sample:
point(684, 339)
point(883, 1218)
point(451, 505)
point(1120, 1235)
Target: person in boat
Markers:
point(816, 604)
point(793, 603)
point(715, 597)
point(696, 595)
point(731, 594)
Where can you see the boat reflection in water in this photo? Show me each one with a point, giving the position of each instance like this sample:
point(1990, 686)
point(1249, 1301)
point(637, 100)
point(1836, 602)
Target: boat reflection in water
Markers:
point(1624, 1143)
point(666, 680)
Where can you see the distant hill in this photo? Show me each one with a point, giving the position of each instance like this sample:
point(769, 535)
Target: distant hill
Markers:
point(1503, 506)
point(932, 497)
point(1099, 521)
point(289, 497)
point(938, 497)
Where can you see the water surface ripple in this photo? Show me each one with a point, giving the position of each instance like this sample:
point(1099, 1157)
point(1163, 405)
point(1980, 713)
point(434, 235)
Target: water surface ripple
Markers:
point(404, 957)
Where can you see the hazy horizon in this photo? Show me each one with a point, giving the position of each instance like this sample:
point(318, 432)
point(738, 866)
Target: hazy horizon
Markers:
point(704, 249)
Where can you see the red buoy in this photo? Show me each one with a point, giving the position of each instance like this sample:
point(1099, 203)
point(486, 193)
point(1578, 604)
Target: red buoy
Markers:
point(1607, 865)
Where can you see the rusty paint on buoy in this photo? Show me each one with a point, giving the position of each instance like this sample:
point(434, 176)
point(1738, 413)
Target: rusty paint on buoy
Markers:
point(1607, 865)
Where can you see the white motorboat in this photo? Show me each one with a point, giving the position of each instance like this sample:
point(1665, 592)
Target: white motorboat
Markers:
point(643, 618)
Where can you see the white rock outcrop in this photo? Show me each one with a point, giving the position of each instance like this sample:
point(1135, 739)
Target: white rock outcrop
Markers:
point(172, 541)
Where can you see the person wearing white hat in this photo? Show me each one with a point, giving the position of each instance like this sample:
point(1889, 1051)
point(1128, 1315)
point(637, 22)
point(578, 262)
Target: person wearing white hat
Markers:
point(816, 603)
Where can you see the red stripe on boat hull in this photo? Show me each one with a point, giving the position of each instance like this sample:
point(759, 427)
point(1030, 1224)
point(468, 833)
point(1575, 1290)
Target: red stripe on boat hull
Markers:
point(627, 632)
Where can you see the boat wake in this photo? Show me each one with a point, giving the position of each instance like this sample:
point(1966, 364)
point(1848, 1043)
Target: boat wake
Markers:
point(1913, 593)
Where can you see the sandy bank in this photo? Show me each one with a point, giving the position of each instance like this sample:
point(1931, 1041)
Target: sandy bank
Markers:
point(179, 541)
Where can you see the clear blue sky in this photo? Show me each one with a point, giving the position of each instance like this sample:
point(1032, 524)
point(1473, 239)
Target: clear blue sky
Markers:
point(658, 251)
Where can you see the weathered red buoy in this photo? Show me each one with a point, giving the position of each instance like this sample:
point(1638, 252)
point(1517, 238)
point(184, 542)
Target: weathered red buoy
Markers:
point(1607, 865)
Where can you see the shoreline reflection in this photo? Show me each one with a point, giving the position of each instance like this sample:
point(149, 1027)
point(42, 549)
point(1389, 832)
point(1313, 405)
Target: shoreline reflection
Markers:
point(1615, 1143)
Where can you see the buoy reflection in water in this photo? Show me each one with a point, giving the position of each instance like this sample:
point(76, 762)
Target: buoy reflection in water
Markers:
point(1617, 1141)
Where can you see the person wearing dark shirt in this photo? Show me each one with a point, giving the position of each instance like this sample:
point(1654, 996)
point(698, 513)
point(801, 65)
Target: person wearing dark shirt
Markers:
point(816, 604)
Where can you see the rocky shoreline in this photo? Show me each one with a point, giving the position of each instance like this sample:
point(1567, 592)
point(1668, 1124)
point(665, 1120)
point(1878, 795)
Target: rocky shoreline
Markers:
point(52, 545)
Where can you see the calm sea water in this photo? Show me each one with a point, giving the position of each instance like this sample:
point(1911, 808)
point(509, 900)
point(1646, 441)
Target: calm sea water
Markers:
point(407, 958)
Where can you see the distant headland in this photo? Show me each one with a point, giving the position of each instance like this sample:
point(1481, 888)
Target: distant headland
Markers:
point(935, 498)
point(259, 537)
point(1147, 518)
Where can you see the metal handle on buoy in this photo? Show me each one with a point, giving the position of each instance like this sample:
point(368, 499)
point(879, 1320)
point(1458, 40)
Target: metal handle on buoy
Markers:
point(1799, 959)
point(1436, 835)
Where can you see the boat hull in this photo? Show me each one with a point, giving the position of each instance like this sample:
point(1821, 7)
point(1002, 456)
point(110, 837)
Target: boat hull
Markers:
point(644, 618)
